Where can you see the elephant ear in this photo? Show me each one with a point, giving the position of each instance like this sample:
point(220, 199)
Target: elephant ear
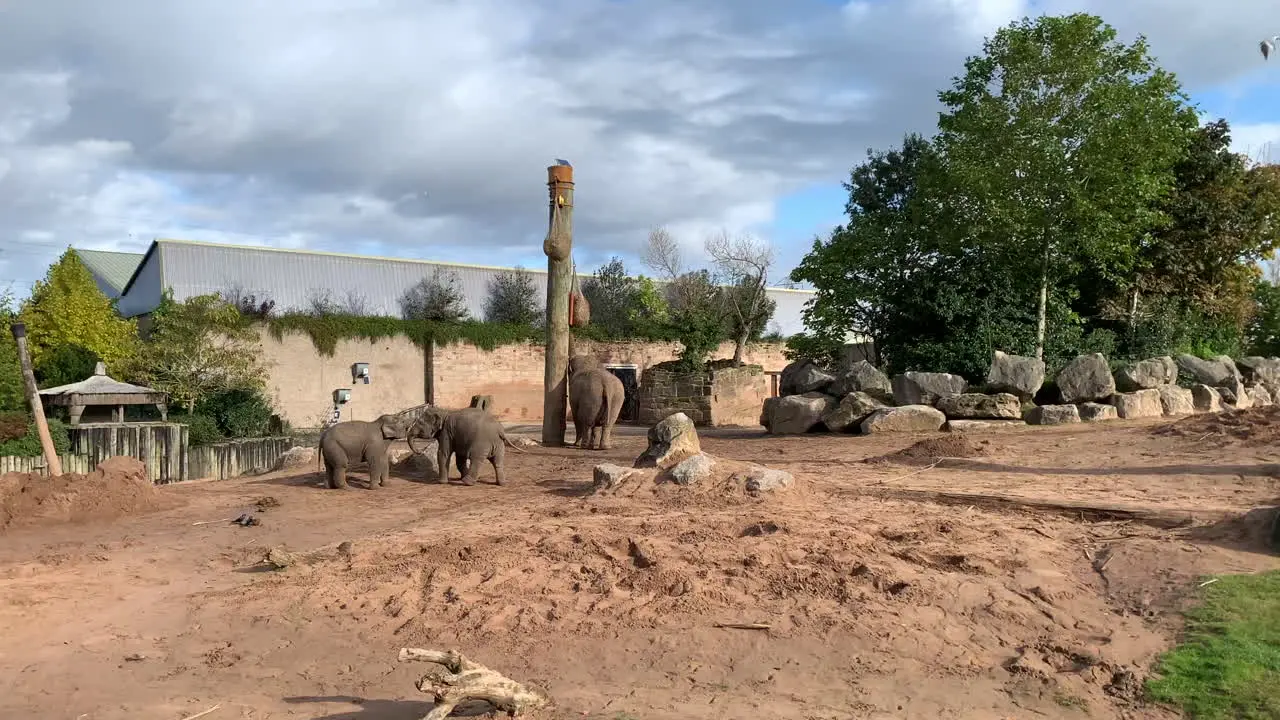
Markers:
point(393, 428)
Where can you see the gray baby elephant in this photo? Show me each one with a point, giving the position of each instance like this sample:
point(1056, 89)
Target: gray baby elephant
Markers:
point(471, 434)
point(355, 441)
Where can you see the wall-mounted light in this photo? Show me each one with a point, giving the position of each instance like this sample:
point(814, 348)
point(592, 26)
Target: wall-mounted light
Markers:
point(342, 396)
point(360, 371)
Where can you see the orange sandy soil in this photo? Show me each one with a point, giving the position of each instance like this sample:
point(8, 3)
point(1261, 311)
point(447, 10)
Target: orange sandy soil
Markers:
point(880, 608)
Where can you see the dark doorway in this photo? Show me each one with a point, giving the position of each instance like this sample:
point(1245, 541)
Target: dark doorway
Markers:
point(631, 388)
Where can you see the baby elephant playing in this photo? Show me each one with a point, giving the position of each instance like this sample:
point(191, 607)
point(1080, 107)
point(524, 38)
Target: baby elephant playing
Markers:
point(471, 434)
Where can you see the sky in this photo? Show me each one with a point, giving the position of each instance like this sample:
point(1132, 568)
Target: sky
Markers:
point(423, 128)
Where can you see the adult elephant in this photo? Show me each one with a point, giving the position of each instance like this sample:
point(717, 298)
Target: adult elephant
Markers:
point(471, 435)
point(595, 398)
point(354, 441)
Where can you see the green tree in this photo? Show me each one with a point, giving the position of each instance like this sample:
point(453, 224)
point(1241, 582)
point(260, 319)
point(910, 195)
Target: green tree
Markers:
point(1264, 327)
point(1059, 143)
point(13, 396)
point(198, 348)
point(67, 308)
point(743, 265)
point(513, 299)
point(66, 364)
point(613, 296)
point(437, 297)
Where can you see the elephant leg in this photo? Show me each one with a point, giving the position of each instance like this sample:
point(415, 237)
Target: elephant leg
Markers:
point(580, 432)
point(443, 453)
point(462, 463)
point(473, 463)
point(606, 436)
point(499, 463)
point(336, 469)
point(596, 437)
point(378, 471)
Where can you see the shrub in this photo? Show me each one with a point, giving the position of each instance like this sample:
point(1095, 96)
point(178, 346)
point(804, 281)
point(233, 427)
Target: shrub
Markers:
point(28, 444)
point(201, 430)
point(238, 413)
point(66, 364)
point(13, 425)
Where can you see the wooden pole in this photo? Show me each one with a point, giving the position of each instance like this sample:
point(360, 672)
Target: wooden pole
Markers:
point(558, 248)
point(33, 398)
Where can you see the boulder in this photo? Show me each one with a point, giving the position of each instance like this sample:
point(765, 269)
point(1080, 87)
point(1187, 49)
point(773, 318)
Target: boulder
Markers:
point(296, 456)
point(972, 406)
point(609, 476)
point(1206, 398)
point(803, 376)
point(926, 388)
point(1086, 379)
point(1052, 415)
point(1138, 404)
point(973, 425)
point(692, 470)
point(1259, 395)
point(863, 377)
point(796, 414)
point(671, 440)
point(1234, 394)
point(1097, 412)
point(852, 410)
point(1255, 369)
point(905, 418)
point(1213, 372)
point(1015, 374)
point(762, 479)
point(1175, 401)
point(1147, 374)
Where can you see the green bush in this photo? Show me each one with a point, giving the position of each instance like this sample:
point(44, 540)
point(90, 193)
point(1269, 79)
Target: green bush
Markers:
point(28, 444)
point(238, 413)
point(65, 365)
point(201, 430)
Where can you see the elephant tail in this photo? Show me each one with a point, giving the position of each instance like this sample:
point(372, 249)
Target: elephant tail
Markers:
point(510, 444)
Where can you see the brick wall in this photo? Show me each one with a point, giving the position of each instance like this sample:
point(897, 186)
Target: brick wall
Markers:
point(301, 380)
point(727, 397)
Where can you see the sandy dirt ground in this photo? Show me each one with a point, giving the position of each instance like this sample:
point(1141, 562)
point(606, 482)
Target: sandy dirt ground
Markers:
point(879, 605)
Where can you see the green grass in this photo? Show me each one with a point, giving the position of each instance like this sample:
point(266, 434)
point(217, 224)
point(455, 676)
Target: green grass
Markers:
point(1228, 664)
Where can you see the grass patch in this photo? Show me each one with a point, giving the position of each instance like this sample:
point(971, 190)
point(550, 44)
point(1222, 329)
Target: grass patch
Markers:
point(1228, 664)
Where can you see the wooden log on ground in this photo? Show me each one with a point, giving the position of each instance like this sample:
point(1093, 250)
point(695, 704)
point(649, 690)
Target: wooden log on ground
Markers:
point(1165, 518)
point(460, 680)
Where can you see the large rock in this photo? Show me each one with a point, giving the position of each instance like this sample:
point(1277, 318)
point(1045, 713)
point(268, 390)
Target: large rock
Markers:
point(1052, 415)
point(795, 414)
point(906, 418)
point(803, 376)
point(1086, 379)
point(863, 377)
point(1257, 369)
point(975, 425)
point(1138, 404)
point(296, 456)
point(1206, 398)
point(1096, 412)
point(1175, 401)
point(670, 441)
point(1260, 396)
point(1214, 372)
point(974, 406)
point(1234, 394)
point(852, 410)
point(762, 479)
point(926, 388)
point(1147, 374)
point(1015, 374)
point(609, 476)
point(692, 470)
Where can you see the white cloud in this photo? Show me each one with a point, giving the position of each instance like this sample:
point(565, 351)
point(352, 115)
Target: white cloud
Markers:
point(397, 125)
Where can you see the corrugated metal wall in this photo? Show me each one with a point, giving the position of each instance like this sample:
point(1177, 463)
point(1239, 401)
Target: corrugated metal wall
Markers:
point(291, 279)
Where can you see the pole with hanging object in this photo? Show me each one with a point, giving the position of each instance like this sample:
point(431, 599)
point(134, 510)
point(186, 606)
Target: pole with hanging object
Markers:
point(51, 459)
point(558, 248)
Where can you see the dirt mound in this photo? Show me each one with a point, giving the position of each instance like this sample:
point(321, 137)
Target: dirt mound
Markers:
point(927, 452)
point(1252, 427)
point(118, 486)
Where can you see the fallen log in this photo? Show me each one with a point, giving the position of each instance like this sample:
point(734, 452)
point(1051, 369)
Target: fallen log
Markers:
point(460, 680)
point(1164, 518)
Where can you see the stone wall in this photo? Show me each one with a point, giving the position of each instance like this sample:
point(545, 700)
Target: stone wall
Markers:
point(401, 375)
point(723, 397)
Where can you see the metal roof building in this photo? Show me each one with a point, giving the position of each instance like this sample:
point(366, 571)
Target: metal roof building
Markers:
point(111, 270)
point(292, 278)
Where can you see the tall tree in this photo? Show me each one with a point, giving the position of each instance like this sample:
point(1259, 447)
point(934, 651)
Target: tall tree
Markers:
point(436, 297)
point(513, 299)
point(743, 267)
point(67, 308)
point(197, 348)
point(13, 394)
point(1059, 142)
point(613, 296)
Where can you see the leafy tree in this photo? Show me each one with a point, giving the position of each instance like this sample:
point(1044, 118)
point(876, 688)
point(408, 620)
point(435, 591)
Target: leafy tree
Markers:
point(649, 315)
point(513, 299)
point(238, 412)
point(13, 395)
point(197, 348)
point(743, 264)
point(67, 308)
point(1264, 329)
point(1059, 142)
point(435, 297)
point(613, 296)
point(66, 364)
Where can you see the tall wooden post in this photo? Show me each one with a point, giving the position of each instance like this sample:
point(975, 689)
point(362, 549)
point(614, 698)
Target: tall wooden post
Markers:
point(33, 398)
point(559, 250)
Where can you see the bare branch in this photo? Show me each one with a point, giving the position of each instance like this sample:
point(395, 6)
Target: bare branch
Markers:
point(661, 254)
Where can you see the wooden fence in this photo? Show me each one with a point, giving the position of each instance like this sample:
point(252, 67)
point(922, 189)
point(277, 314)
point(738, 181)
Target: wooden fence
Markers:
point(162, 447)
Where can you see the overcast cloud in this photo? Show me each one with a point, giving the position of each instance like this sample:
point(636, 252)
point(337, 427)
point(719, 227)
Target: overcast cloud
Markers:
point(423, 127)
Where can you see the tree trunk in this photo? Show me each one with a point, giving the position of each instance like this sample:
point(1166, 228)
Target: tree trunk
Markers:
point(1043, 309)
point(739, 345)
